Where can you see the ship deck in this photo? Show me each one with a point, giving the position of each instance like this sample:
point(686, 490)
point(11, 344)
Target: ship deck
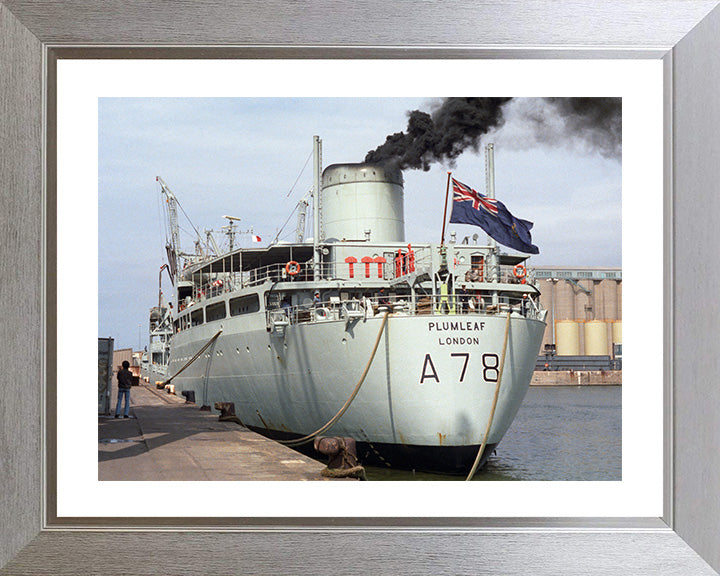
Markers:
point(167, 439)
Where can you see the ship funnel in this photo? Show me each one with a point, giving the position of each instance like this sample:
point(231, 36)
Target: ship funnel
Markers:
point(357, 198)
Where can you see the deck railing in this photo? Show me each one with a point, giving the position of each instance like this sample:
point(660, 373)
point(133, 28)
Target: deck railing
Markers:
point(440, 305)
point(363, 272)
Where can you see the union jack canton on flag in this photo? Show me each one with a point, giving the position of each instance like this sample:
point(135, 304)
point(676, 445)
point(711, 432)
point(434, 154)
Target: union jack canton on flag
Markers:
point(471, 207)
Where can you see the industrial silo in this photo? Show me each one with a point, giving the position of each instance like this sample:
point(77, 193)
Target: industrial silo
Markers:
point(596, 338)
point(547, 299)
point(609, 289)
point(617, 339)
point(564, 300)
point(362, 202)
point(567, 338)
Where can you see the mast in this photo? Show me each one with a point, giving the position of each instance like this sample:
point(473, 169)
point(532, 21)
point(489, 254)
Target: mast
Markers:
point(490, 184)
point(231, 226)
point(490, 187)
point(317, 174)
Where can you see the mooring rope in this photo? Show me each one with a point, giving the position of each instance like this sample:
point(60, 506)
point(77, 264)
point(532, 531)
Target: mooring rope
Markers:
point(209, 342)
point(494, 404)
point(354, 393)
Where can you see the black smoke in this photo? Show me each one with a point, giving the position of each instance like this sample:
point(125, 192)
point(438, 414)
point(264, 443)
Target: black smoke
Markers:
point(595, 123)
point(457, 124)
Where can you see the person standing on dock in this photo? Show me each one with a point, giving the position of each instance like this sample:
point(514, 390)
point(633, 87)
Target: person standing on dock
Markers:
point(124, 378)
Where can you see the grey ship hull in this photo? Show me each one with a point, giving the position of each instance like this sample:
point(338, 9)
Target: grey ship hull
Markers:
point(425, 402)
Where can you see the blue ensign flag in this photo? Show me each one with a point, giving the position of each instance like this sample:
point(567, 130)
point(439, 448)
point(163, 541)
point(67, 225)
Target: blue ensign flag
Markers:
point(471, 207)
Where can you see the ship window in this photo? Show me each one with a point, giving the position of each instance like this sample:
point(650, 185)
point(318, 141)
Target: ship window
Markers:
point(477, 262)
point(196, 317)
point(215, 311)
point(177, 326)
point(244, 305)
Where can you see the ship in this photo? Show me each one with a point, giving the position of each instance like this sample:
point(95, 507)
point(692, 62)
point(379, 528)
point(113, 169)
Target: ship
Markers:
point(420, 352)
point(155, 359)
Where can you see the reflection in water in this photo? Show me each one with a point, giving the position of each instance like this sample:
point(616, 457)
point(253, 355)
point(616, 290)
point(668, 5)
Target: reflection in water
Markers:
point(560, 433)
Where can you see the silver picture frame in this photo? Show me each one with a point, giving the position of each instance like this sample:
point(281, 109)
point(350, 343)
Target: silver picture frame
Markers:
point(684, 34)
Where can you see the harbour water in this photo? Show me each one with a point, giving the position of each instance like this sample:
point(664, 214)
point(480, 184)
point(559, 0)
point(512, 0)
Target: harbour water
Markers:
point(560, 433)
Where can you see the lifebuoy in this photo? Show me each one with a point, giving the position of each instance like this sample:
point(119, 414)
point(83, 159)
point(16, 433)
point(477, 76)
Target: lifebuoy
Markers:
point(321, 313)
point(520, 272)
point(292, 268)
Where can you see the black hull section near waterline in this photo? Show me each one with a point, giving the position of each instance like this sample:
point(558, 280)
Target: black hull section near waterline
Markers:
point(435, 459)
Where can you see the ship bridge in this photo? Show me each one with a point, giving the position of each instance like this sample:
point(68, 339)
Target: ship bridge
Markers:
point(248, 259)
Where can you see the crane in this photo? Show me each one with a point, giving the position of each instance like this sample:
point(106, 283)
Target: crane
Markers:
point(173, 245)
point(302, 206)
point(211, 242)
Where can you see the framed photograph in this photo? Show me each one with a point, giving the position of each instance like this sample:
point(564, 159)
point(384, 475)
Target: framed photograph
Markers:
point(660, 517)
point(109, 117)
point(227, 144)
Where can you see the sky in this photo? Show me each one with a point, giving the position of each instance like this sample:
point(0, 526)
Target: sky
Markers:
point(248, 158)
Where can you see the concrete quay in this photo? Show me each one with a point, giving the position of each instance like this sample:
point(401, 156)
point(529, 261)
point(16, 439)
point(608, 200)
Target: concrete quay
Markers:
point(167, 439)
point(577, 378)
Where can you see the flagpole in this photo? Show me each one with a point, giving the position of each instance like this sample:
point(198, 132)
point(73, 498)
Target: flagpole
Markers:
point(447, 193)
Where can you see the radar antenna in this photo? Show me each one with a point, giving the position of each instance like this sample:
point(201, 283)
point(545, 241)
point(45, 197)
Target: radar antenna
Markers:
point(231, 230)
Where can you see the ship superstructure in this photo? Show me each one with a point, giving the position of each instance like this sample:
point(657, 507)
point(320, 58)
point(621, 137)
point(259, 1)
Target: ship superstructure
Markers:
point(427, 330)
point(155, 360)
